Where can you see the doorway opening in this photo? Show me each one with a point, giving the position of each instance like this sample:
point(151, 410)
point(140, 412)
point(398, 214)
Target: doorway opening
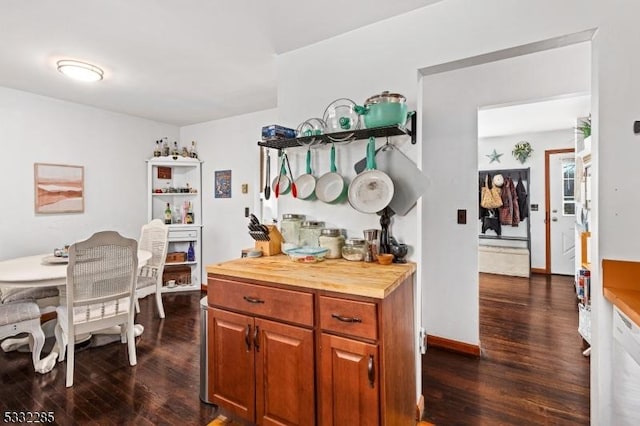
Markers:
point(538, 155)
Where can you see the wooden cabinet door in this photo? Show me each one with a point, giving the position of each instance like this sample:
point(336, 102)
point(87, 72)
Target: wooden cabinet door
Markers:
point(284, 374)
point(232, 364)
point(350, 377)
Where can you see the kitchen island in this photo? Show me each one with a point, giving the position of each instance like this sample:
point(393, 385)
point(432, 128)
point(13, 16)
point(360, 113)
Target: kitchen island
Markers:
point(326, 343)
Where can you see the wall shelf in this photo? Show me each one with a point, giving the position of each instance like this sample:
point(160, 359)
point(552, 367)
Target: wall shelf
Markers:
point(376, 132)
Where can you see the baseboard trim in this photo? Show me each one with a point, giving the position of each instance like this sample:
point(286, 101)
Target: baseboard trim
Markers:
point(420, 408)
point(539, 271)
point(453, 345)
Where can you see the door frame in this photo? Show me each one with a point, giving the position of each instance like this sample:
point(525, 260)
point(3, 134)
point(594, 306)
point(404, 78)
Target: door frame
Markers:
point(547, 207)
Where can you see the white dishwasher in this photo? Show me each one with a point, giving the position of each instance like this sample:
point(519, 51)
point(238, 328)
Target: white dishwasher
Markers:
point(625, 370)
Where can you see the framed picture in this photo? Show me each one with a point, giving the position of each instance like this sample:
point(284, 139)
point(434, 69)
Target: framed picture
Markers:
point(58, 188)
point(164, 172)
point(222, 184)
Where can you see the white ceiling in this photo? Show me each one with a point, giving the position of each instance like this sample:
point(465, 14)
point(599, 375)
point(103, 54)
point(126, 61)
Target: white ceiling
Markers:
point(178, 62)
point(539, 116)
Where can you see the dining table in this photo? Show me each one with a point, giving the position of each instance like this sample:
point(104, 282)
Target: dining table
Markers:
point(46, 270)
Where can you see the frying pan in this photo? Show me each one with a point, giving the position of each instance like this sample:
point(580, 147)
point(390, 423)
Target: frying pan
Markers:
point(410, 183)
point(372, 190)
point(331, 187)
point(306, 183)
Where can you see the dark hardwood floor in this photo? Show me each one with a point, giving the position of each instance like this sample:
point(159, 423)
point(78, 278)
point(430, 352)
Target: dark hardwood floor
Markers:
point(531, 370)
point(162, 389)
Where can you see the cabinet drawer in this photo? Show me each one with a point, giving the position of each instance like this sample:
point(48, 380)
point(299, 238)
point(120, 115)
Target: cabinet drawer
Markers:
point(349, 317)
point(182, 234)
point(285, 305)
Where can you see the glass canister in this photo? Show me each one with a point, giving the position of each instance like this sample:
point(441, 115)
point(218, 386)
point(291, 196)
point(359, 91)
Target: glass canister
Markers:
point(353, 249)
point(333, 240)
point(310, 233)
point(290, 227)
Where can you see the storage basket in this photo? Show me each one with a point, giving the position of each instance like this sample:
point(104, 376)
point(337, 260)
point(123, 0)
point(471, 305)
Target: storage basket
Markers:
point(181, 274)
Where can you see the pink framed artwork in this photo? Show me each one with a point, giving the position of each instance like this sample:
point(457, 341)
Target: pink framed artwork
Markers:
point(59, 188)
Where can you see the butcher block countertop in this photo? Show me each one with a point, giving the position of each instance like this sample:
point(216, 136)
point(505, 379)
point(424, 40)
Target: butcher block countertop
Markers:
point(336, 275)
point(621, 286)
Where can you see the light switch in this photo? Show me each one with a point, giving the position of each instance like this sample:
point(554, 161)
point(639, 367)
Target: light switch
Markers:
point(245, 188)
point(462, 216)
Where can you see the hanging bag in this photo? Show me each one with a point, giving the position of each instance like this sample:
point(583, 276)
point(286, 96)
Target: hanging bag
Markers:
point(491, 197)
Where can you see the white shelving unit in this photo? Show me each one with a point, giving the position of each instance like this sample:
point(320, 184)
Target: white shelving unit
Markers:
point(583, 209)
point(178, 182)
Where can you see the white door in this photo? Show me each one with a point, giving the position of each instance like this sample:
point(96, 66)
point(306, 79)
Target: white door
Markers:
point(562, 208)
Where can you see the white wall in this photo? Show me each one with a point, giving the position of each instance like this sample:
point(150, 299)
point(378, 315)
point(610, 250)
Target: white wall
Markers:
point(616, 178)
point(229, 144)
point(387, 56)
point(111, 147)
point(540, 141)
point(451, 102)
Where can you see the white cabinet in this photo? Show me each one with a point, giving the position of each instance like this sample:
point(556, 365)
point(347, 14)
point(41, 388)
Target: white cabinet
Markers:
point(176, 184)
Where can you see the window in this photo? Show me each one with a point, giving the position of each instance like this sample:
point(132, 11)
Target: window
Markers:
point(568, 187)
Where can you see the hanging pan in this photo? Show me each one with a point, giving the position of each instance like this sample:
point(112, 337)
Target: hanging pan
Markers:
point(331, 187)
point(372, 190)
point(306, 183)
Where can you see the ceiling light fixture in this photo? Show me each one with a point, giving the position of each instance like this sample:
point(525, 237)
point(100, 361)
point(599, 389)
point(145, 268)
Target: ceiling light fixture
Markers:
point(80, 70)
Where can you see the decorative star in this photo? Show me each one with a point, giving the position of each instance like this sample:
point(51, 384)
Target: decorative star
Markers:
point(494, 156)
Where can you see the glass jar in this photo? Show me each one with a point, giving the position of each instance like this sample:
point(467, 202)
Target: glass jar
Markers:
point(310, 233)
point(333, 240)
point(353, 249)
point(290, 228)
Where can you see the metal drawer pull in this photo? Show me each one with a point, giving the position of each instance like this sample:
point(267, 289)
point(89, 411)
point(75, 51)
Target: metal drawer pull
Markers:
point(247, 340)
point(256, 338)
point(371, 372)
point(252, 299)
point(345, 319)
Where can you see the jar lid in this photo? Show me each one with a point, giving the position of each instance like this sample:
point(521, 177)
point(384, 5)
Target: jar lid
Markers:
point(330, 232)
point(385, 97)
point(292, 216)
point(312, 224)
point(354, 242)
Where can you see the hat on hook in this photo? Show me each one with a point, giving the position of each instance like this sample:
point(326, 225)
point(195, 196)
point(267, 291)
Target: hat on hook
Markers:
point(498, 180)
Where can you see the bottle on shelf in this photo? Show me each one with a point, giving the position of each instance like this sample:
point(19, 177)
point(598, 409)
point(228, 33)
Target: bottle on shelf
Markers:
point(157, 150)
point(165, 147)
point(175, 152)
point(167, 215)
point(194, 152)
point(191, 253)
point(189, 214)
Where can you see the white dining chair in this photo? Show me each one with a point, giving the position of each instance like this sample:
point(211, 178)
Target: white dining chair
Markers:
point(153, 238)
point(100, 293)
point(23, 317)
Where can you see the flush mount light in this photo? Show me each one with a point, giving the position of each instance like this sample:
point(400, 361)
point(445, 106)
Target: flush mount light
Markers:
point(80, 70)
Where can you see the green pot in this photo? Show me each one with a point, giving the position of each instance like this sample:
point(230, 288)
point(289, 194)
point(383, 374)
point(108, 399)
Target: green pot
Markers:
point(386, 109)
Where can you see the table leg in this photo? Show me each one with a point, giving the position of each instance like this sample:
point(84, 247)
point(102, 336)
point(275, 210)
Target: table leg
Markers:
point(13, 344)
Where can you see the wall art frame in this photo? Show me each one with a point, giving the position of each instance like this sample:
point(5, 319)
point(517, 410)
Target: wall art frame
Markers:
point(222, 184)
point(58, 188)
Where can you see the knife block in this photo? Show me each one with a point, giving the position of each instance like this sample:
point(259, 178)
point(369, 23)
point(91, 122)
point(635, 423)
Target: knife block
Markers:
point(273, 246)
